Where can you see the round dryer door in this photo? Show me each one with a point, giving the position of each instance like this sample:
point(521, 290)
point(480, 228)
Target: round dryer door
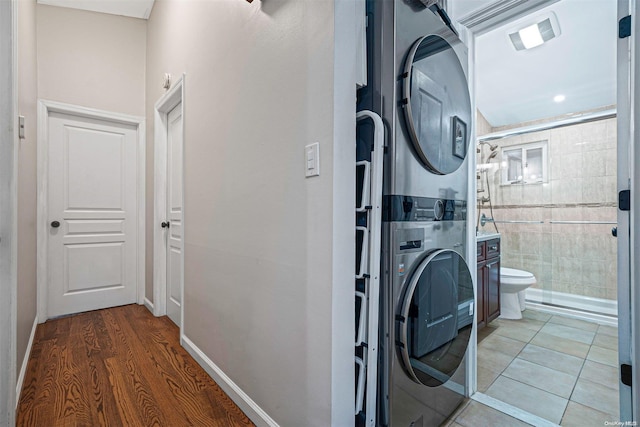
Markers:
point(437, 106)
point(436, 317)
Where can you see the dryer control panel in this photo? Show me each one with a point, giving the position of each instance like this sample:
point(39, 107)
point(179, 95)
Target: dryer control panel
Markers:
point(409, 208)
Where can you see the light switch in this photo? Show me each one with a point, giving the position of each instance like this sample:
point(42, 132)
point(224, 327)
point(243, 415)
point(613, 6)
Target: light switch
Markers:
point(312, 156)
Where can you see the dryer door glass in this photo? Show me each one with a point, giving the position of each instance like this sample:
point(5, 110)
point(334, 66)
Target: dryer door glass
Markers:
point(436, 317)
point(437, 107)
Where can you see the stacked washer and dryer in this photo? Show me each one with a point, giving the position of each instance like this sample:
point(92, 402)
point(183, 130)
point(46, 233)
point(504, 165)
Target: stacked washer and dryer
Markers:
point(418, 84)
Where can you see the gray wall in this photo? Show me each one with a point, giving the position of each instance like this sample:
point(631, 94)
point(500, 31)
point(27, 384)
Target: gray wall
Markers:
point(268, 276)
point(27, 97)
point(7, 216)
point(91, 59)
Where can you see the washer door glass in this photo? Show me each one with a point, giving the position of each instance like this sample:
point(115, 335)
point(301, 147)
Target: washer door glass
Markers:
point(437, 106)
point(436, 317)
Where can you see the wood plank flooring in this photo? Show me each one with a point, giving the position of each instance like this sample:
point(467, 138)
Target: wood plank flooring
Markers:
point(119, 367)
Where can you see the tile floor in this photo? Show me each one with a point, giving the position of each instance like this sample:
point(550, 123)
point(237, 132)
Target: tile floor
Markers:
point(558, 368)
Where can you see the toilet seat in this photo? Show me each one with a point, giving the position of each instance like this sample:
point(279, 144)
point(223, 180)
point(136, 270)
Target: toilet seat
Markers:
point(516, 277)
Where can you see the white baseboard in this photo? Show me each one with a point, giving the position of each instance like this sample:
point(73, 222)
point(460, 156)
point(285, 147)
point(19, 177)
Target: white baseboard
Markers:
point(244, 402)
point(149, 305)
point(25, 361)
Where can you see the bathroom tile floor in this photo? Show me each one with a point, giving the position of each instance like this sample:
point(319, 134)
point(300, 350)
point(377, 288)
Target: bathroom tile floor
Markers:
point(558, 368)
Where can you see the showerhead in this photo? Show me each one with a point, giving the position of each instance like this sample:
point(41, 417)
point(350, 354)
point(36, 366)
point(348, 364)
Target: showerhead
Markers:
point(491, 146)
point(492, 155)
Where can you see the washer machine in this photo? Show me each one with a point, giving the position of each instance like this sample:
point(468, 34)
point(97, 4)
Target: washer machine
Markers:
point(429, 307)
point(419, 85)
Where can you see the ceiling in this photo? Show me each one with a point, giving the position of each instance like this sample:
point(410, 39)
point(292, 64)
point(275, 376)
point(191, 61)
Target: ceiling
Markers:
point(463, 8)
point(519, 86)
point(133, 8)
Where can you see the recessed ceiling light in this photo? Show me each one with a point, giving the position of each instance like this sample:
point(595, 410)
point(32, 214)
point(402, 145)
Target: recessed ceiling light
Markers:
point(559, 98)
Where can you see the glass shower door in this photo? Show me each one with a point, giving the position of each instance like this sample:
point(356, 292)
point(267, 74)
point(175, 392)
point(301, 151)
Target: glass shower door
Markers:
point(582, 212)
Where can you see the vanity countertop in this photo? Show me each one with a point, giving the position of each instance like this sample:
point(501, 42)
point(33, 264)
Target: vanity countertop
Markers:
point(482, 236)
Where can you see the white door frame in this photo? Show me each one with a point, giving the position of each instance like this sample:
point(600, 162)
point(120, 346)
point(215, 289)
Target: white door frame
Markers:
point(44, 109)
point(165, 104)
point(629, 178)
point(628, 314)
point(8, 209)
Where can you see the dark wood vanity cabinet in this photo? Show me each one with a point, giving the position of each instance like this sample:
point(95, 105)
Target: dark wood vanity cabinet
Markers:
point(488, 281)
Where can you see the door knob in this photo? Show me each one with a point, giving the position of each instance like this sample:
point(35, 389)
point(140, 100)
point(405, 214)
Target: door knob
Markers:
point(614, 231)
point(165, 224)
point(55, 224)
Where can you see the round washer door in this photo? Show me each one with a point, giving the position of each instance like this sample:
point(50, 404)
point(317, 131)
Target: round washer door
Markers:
point(435, 318)
point(437, 106)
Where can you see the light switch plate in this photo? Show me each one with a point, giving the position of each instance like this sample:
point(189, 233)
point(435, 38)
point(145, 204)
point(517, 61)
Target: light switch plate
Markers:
point(312, 159)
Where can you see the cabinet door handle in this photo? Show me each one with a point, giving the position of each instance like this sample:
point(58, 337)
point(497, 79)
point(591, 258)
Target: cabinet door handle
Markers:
point(493, 248)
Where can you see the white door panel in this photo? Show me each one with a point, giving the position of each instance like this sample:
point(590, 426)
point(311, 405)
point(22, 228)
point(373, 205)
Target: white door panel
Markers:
point(174, 213)
point(91, 266)
point(175, 259)
point(92, 193)
point(94, 172)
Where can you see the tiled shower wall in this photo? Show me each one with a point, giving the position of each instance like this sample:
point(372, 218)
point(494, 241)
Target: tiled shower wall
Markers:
point(571, 258)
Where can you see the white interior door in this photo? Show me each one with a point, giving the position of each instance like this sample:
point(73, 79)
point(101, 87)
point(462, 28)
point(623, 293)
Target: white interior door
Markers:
point(174, 213)
point(92, 206)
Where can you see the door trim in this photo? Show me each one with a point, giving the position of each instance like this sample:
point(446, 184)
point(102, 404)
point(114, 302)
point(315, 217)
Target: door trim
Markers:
point(165, 104)
point(45, 108)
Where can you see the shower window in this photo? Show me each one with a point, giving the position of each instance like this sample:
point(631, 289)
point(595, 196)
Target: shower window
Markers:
point(524, 164)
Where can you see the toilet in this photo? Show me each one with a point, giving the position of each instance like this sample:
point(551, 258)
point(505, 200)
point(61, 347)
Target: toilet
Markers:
point(513, 284)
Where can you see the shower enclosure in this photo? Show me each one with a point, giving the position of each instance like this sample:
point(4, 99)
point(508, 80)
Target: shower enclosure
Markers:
point(550, 190)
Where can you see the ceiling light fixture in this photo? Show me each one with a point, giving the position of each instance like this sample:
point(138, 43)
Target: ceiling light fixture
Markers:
point(536, 34)
point(531, 36)
point(559, 98)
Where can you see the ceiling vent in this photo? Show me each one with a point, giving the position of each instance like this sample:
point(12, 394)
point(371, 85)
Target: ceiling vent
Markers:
point(536, 34)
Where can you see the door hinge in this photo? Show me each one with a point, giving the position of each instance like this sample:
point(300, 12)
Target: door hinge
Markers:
point(624, 200)
point(21, 127)
point(624, 27)
point(625, 374)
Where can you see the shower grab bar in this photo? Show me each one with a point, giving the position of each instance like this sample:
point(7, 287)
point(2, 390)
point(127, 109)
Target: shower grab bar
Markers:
point(517, 222)
point(584, 222)
point(485, 219)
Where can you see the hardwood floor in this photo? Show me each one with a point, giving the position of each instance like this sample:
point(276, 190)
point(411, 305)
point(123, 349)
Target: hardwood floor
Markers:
point(119, 367)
